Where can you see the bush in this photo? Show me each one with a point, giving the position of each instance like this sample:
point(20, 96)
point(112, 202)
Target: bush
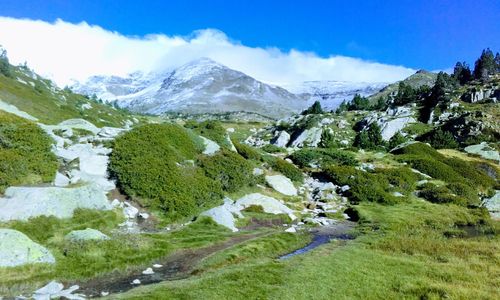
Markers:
point(229, 169)
point(396, 140)
point(211, 129)
point(306, 157)
point(402, 178)
point(441, 195)
point(270, 148)
point(364, 186)
point(287, 169)
point(440, 139)
point(148, 163)
point(25, 153)
point(247, 151)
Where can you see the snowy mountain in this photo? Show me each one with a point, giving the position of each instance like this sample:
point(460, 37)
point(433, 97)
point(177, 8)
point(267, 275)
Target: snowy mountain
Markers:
point(332, 93)
point(201, 86)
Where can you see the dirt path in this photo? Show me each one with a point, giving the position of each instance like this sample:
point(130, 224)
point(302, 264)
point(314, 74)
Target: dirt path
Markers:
point(176, 266)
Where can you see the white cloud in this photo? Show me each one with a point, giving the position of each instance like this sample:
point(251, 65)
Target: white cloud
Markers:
point(65, 51)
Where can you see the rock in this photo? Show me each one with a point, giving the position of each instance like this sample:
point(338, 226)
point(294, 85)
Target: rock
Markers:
point(22, 203)
point(291, 230)
point(309, 137)
point(484, 150)
point(345, 188)
point(257, 172)
point(109, 132)
point(281, 139)
point(88, 234)
point(398, 194)
point(282, 184)
point(269, 204)
point(390, 128)
point(211, 147)
point(116, 203)
point(224, 214)
point(157, 266)
point(493, 205)
point(230, 130)
point(61, 180)
point(148, 271)
point(144, 216)
point(326, 121)
point(17, 249)
point(14, 110)
point(55, 290)
point(104, 294)
point(136, 282)
point(130, 211)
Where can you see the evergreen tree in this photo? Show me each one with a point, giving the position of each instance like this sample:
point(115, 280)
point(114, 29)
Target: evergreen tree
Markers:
point(440, 139)
point(485, 65)
point(497, 62)
point(359, 103)
point(396, 140)
point(315, 109)
point(370, 139)
point(342, 107)
point(327, 139)
point(462, 73)
point(4, 63)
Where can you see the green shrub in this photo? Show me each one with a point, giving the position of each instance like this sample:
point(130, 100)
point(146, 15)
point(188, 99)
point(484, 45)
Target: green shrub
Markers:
point(370, 139)
point(402, 178)
point(211, 129)
point(396, 140)
point(441, 194)
point(306, 157)
point(247, 151)
point(364, 186)
point(229, 169)
point(440, 139)
point(270, 148)
point(25, 153)
point(288, 169)
point(148, 163)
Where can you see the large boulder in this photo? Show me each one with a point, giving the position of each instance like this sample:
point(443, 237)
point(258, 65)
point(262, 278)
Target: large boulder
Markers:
point(493, 205)
point(309, 137)
point(268, 204)
point(88, 234)
point(211, 147)
point(281, 139)
point(22, 203)
point(224, 214)
point(282, 184)
point(390, 128)
point(17, 249)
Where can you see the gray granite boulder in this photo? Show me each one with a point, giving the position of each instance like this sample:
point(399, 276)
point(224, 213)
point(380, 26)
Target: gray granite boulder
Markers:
point(282, 184)
point(88, 234)
point(17, 249)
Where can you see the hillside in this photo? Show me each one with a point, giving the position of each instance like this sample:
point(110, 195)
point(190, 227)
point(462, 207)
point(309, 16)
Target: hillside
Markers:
point(42, 99)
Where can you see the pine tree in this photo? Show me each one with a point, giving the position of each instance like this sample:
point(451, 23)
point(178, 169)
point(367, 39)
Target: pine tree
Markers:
point(4, 63)
point(485, 65)
point(462, 73)
point(370, 139)
point(315, 109)
point(396, 140)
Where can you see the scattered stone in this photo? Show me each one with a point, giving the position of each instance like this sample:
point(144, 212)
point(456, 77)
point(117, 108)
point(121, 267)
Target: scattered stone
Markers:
point(157, 266)
point(224, 214)
point(309, 137)
point(130, 211)
point(282, 184)
point(55, 290)
point(136, 282)
point(116, 203)
point(291, 230)
point(148, 271)
point(144, 216)
point(104, 294)
point(17, 249)
point(86, 235)
point(257, 172)
point(345, 188)
point(230, 130)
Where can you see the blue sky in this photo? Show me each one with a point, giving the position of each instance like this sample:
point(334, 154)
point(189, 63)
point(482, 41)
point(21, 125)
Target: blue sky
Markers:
point(416, 34)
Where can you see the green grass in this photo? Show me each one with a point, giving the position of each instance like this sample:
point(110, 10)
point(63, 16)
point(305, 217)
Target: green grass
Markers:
point(82, 260)
point(403, 253)
point(25, 153)
point(52, 105)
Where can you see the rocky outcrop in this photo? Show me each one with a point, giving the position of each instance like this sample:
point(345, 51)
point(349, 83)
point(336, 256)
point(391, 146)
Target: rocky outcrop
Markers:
point(484, 150)
point(308, 137)
point(268, 204)
point(281, 139)
point(225, 214)
point(55, 290)
point(282, 184)
point(17, 249)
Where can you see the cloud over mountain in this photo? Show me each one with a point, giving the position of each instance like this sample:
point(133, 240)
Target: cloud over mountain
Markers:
point(65, 51)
